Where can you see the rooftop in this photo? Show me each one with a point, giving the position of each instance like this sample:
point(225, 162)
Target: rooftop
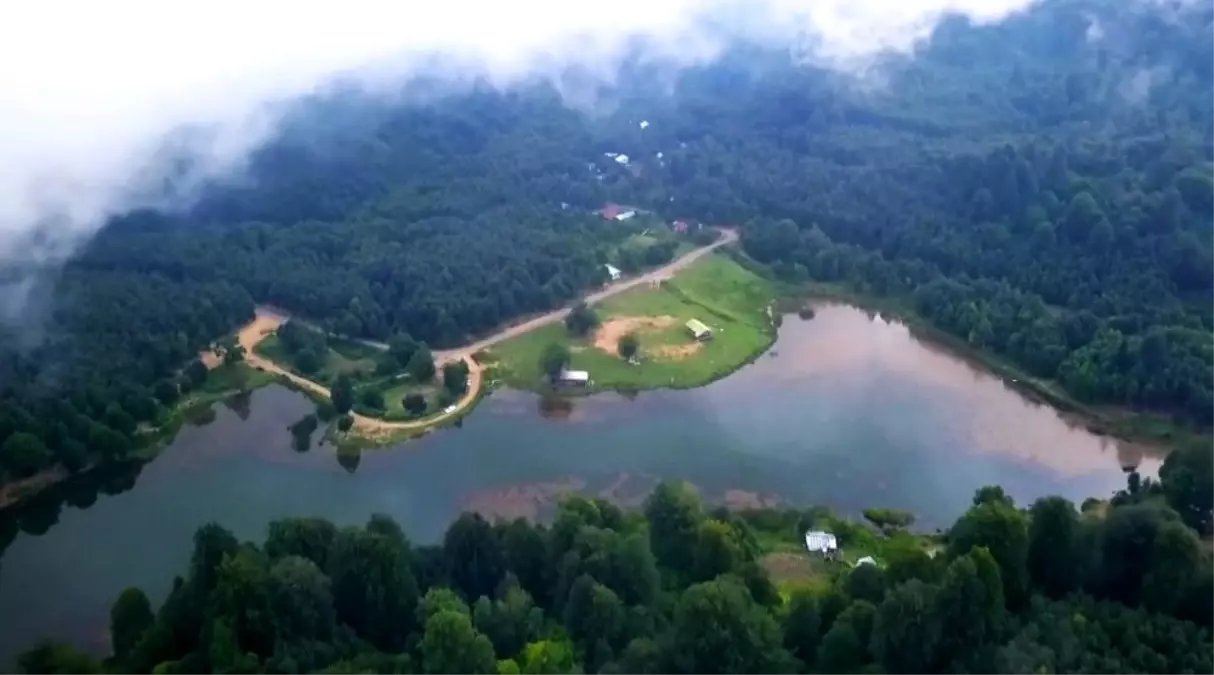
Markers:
point(697, 326)
point(575, 376)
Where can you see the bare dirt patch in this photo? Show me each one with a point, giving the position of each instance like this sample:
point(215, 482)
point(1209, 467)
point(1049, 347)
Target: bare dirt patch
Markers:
point(607, 337)
point(210, 358)
point(788, 567)
point(676, 352)
point(741, 500)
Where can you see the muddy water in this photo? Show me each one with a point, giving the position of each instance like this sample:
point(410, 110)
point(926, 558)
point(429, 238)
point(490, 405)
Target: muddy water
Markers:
point(848, 410)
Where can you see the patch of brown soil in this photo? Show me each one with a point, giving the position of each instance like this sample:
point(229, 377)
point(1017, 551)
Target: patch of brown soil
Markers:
point(522, 501)
point(676, 352)
point(210, 358)
point(788, 567)
point(607, 337)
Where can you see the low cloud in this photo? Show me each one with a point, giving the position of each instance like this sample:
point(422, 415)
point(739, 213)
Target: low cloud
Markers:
point(93, 95)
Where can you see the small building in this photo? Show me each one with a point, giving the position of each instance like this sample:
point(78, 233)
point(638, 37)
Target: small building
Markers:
point(621, 159)
point(610, 211)
point(575, 378)
point(625, 215)
point(679, 226)
point(614, 272)
point(698, 330)
point(866, 560)
point(817, 541)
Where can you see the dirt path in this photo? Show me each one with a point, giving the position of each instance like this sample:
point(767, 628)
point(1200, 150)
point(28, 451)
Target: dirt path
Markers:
point(268, 320)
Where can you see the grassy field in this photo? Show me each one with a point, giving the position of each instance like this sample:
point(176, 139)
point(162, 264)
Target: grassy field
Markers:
point(343, 356)
point(395, 395)
point(728, 298)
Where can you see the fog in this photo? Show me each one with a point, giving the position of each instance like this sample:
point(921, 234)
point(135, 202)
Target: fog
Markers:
point(90, 93)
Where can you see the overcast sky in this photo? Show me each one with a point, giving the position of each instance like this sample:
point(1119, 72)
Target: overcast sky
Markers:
point(89, 89)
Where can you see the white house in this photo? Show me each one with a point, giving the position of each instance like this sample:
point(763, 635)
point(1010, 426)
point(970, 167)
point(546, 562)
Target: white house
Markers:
point(820, 542)
point(621, 159)
point(626, 215)
point(614, 272)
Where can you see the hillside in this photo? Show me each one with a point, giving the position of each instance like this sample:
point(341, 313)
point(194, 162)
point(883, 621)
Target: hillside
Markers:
point(1038, 188)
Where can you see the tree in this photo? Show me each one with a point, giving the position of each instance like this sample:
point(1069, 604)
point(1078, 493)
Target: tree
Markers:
point(674, 514)
point(628, 345)
point(23, 454)
point(1055, 563)
point(553, 360)
point(593, 612)
point(866, 582)
point(474, 561)
point(372, 398)
point(889, 520)
point(309, 538)
point(844, 647)
point(401, 349)
point(1003, 530)
point(167, 392)
point(196, 373)
point(802, 627)
point(345, 423)
point(718, 628)
point(581, 319)
point(53, 657)
point(414, 403)
point(421, 365)
point(342, 394)
point(450, 645)
point(968, 610)
point(130, 617)
point(717, 550)
point(455, 377)
point(374, 589)
point(549, 657)
point(1187, 477)
point(511, 621)
point(906, 630)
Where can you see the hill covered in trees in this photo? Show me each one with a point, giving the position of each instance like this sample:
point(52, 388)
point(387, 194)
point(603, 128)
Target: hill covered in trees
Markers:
point(1040, 188)
point(681, 588)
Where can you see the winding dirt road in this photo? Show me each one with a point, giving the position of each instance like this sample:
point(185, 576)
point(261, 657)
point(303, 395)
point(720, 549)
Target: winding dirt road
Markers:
point(267, 321)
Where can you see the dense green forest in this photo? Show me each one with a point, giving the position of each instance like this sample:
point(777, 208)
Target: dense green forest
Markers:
point(680, 588)
point(1036, 191)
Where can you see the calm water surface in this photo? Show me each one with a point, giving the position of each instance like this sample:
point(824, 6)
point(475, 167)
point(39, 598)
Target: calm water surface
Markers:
point(847, 410)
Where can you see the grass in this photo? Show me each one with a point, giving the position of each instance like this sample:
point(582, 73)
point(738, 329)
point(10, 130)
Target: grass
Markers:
point(343, 356)
point(716, 290)
point(395, 395)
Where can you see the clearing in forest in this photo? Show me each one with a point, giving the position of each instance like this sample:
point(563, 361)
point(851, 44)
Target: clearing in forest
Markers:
point(715, 290)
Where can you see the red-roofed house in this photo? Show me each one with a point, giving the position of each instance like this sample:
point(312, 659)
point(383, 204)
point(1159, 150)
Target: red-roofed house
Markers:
point(610, 211)
point(679, 226)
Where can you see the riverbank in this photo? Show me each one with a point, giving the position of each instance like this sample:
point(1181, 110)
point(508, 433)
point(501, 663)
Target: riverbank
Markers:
point(1135, 426)
point(732, 302)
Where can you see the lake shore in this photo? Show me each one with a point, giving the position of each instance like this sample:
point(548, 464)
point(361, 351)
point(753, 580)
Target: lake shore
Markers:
point(1135, 426)
point(730, 303)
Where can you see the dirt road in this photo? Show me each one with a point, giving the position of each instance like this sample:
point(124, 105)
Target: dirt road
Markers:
point(728, 237)
point(268, 320)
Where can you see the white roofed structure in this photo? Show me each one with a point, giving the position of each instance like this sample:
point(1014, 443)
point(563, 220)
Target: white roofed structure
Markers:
point(820, 542)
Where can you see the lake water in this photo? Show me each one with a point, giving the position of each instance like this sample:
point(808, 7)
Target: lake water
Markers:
point(847, 410)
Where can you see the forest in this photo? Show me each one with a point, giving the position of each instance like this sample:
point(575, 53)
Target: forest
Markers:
point(680, 587)
point(1040, 193)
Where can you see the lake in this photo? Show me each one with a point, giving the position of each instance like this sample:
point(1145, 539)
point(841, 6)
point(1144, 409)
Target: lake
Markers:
point(847, 410)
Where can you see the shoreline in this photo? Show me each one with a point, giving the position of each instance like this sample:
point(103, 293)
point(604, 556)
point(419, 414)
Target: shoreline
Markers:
point(1126, 424)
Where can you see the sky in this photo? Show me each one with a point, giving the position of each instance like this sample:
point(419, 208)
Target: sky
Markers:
point(90, 91)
